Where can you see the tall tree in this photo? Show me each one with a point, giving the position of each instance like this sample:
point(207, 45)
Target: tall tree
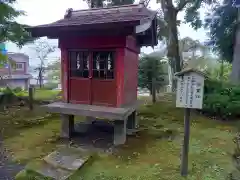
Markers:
point(190, 47)
point(53, 71)
point(188, 44)
point(170, 10)
point(42, 49)
point(150, 68)
point(223, 25)
point(221, 71)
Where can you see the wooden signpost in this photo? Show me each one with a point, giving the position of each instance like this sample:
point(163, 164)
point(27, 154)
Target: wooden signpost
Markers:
point(190, 86)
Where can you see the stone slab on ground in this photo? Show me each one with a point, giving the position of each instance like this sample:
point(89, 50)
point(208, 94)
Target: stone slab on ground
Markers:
point(48, 171)
point(60, 164)
point(67, 158)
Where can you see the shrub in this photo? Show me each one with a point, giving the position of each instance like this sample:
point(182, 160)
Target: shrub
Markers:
point(221, 99)
point(17, 90)
point(7, 90)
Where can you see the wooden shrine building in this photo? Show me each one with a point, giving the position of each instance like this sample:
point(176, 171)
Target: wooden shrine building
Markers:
point(99, 59)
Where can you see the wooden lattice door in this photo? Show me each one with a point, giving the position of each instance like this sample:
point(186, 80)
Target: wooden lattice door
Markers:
point(92, 77)
point(79, 81)
point(103, 81)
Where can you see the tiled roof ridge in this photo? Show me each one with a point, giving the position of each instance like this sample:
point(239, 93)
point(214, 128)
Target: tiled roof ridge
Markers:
point(109, 7)
point(73, 13)
point(113, 14)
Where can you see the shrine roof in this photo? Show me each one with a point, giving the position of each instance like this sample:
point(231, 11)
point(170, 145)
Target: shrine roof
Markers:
point(190, 70)
point(125, 13)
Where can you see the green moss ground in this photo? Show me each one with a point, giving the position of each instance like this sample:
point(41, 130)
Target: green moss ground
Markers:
point(154, 154)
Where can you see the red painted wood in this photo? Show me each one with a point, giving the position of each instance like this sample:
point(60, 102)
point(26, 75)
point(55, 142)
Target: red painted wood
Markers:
point(92, 42)
point(127, 64)
point(104, 92)
point(64, 77)
point(116, 93)
point(79, 91)
point(130, 76)
point(120, 75)
point(131, 44)
point(80, 88)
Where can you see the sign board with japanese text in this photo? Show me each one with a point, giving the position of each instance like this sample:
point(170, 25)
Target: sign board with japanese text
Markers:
point(190, 87)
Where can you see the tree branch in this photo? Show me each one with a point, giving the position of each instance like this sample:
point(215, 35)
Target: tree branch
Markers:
point(167, 4)
point(182, 4)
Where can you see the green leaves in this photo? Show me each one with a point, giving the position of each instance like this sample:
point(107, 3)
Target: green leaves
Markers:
point(221, 99)
point(192, 15)
point(10, 29)
point(191, 8)
point(8, 13)
point(222, 30)
point(150, 67)
point(170, 24)
point(54, 71)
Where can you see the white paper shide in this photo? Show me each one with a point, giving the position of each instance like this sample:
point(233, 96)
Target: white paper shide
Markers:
point(190, 91)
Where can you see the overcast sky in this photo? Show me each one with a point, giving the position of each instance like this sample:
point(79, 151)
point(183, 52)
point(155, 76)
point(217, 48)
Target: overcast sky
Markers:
point(47, 11)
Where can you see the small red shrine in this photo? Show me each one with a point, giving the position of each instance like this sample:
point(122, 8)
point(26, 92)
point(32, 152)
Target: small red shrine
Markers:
point(99, 59)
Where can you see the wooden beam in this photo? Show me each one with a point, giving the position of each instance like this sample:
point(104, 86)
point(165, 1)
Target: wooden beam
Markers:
point(109, 32)
point(51, 31)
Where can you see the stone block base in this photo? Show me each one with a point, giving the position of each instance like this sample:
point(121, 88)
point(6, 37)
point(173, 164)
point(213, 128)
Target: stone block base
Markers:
point(119, 132)
point(67, 126)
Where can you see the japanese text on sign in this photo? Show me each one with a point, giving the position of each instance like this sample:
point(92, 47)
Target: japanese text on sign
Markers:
point(190, 91)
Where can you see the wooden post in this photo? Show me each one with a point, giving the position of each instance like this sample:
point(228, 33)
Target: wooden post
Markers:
point(154, 90)
point(189, 95)
point(185, 148)
point(30, 95)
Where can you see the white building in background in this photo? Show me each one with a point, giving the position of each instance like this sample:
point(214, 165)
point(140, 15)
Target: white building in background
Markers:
point(16, 74)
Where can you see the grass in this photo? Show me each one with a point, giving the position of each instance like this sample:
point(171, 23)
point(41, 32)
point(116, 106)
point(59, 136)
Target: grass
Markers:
point(25, 130)
point(153, 154)
point(42, 94)
point(34, 142)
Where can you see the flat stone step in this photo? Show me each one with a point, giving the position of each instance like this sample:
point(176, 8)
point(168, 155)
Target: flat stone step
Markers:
point(46, 170)
point(67, 158)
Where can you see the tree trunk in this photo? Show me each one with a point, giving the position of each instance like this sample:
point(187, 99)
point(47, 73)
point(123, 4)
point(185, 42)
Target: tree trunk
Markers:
point(173, 43)
point(170, 16)
point(150, 88)
point(40, 79)
point(235, 75)
point(153, 90)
